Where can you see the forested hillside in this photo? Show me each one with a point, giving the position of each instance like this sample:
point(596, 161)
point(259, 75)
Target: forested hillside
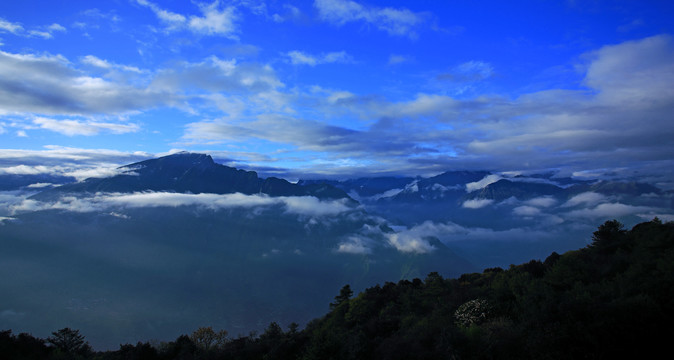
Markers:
point(611, 299)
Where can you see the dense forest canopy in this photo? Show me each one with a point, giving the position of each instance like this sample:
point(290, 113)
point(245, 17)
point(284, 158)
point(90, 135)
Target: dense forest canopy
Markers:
point(612, 299)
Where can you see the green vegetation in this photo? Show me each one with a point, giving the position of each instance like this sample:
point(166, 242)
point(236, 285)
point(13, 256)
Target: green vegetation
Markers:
point(611, 299)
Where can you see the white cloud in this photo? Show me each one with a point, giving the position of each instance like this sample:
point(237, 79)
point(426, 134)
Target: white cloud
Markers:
point(409, 243)
point(414, 239)
point(399, 22)
point(589, 198)
point(104, 64)
point(94, 61)
point(215, 20)
point(610, 210)
point(39, 185)
point(633, 71)
point(47, 84)
point(481, 184)
point(217, 75)
point(542, 201)
point(45, 32)
point(87, 128)
point(24, 170)
point(100, 171)
point(39, 33)
point(526, 211)
point(305, 205)
point(56, 27)
point(300, 58)
point(386, 194)
point(476, 203)
point(8, 26)
point(65, 161)
point(66, 203)
point(79, 171)
point(355, 245)
point(314, 206)
point(173, 20)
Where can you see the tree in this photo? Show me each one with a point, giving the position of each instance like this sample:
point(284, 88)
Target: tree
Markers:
point(273, 331)
point(344, 295)
point(473, 312)
point(293, 327)
point(608, 236)
point(206, 337)
point(70, 342)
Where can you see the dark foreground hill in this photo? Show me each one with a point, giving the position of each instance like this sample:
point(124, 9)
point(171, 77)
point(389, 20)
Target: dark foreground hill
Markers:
point(611, 299)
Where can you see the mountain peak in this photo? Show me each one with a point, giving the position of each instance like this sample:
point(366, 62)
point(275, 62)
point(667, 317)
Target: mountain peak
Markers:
point(181, 159)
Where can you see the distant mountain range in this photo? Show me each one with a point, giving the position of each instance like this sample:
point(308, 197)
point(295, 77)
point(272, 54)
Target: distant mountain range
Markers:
point(197, 173)
point(455, 186)
point(191, 173)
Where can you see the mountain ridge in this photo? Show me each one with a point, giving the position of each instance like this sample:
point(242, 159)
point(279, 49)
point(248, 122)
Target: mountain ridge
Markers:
point(186, 172)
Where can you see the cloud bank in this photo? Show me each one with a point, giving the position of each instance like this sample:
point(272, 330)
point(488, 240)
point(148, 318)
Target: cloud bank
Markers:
point(305, 205)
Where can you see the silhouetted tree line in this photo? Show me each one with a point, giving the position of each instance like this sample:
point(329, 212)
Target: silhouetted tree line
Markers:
point(611, 299)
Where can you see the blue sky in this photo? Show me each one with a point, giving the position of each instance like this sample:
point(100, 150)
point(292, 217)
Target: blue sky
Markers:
point(337, 88)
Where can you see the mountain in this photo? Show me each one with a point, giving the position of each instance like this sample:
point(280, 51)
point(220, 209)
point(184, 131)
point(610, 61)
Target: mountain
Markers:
point(447, 186)
point(366, 187)
point(442, 187)
point(505, 189)
point(190, 173)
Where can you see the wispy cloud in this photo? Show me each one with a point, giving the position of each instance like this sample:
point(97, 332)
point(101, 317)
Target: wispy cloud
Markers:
point(216, 20)
point(542, 202)
point(586, 199)
point(10, 27)
point(301, 58)
point(104, 64)
point(612, 210)
point(64, 161)
point(395, 59)
point(398, 22)
point(469, 72)
point(45, 32)
point(216, 75)
point(87, 128)
point(355, 244)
